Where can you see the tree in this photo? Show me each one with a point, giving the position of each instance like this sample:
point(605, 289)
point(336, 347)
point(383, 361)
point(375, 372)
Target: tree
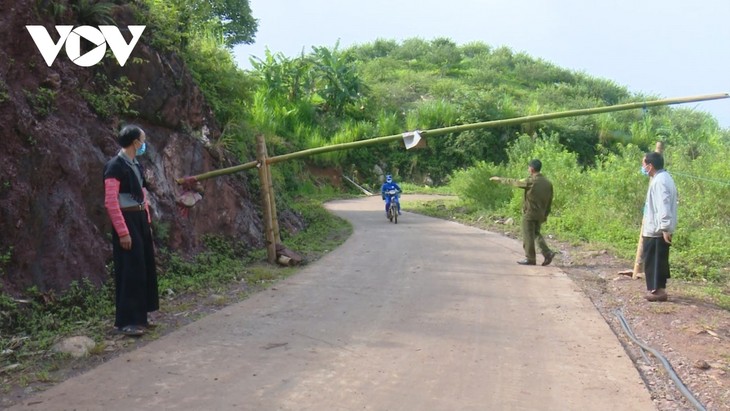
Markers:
point(339, 83)
point(231, 19)
point(236, 22)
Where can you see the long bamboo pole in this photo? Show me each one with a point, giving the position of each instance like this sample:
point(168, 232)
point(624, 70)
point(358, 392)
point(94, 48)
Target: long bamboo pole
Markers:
point(220, 172)
point(498, 123)
point(263, 160)
point(461, 128)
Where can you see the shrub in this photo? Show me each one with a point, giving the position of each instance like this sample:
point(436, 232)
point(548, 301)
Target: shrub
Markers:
point(42, 102)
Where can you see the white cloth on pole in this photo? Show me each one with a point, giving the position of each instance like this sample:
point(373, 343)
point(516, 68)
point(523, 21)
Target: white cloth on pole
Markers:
point(411, 138)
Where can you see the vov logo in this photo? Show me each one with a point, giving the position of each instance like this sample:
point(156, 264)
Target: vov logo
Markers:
point(71, 37)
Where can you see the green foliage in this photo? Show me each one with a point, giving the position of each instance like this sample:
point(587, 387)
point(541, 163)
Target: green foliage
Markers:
point(336, 80)
point(330, 96)
point(473, 187)
point(161, 230)
point(109, 99)
point(5, 258)
point(432, 114)
point(93, 12)
point(226, 88)
point(410, 188)
point(207, 270)
point(328, 232)
point(233, 20)
point(203, 32)
point(326, 80)
point(56, 9)
point(421, 84)
point(4, 94)
point(8, 314)
point(36, 322)
point(603, 204)
point(42, 102)
point(164, 27)
point(310, 102)
point(178, 22)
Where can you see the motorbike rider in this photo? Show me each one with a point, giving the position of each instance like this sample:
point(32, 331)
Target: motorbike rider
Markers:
point(387, 186)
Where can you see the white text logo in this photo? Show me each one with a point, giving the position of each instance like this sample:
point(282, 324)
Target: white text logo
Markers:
point(71, 37)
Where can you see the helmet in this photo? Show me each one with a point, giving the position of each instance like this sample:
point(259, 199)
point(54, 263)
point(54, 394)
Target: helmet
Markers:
point(388, 178)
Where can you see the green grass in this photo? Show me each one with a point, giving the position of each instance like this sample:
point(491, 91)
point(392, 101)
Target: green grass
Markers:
point(713, 293)
point(409, 188)
point(456, 210)
point(31, 325)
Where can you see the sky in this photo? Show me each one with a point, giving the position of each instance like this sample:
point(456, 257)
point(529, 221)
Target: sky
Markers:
point(663, 48)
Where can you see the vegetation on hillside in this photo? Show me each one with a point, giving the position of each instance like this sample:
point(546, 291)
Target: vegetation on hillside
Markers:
point(333, 95)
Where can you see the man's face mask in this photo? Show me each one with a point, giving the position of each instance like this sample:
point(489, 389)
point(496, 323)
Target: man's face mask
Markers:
point(142, 148)
point(644, 171)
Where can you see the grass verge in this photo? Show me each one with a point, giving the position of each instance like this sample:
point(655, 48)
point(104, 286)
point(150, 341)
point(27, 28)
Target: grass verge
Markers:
point(455, 210)
point(190, 288)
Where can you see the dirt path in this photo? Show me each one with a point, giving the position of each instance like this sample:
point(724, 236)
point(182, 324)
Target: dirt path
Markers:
point(422, 315)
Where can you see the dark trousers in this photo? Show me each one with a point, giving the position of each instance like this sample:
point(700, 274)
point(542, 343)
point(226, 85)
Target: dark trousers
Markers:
point(135, 273)
point(656, 262)
point(531, 234)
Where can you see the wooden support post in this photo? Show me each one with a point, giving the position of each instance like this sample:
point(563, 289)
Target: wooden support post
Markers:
point(272, 199)
point(638, 271)
point(266, 199)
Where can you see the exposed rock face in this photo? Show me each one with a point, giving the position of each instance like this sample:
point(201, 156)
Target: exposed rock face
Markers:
point(53, 225)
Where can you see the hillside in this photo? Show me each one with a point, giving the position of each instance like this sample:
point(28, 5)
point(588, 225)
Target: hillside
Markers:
point(56, 138)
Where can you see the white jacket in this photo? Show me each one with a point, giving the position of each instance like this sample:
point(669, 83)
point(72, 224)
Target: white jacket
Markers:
point(660, 209)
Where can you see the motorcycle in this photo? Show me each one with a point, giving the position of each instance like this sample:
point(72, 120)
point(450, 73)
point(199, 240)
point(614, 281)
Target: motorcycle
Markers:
point(393, 207)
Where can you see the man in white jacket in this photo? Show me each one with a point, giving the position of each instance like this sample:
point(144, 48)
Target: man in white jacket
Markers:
point(660, 221)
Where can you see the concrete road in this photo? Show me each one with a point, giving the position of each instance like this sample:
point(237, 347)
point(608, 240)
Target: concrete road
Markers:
point(422, 315)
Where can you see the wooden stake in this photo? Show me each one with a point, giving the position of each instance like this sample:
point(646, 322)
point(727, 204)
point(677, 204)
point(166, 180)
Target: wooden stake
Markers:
point(272, 199)
point(266, 199)
point(638, 271)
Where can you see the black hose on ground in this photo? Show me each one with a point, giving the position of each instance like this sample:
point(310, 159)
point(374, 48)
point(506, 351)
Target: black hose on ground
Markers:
point(672, 374)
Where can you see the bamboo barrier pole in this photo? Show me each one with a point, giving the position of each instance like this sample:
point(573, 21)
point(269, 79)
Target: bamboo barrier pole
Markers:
point(461, 128)
point(263, 161)
point(638, 270)
point(220, 172)
point(266, 199)
point(498, 123)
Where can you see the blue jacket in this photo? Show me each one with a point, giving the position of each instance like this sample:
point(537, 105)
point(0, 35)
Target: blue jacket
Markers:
point(387, 187)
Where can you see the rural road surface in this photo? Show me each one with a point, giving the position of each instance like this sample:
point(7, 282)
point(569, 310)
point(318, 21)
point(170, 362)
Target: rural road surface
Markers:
point(423, 315)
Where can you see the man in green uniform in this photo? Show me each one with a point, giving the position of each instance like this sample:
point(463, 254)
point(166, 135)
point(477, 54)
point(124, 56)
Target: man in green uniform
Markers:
point(535, 209)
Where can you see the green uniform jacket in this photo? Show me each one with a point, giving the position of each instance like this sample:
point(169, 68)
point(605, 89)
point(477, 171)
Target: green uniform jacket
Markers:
point(538, 196)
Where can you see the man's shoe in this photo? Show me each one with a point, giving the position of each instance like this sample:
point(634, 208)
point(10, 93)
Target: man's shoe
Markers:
point(549, 258)
point(526, 262)
point(657, 295)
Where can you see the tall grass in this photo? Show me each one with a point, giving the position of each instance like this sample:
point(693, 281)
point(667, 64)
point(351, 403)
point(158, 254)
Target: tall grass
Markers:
point(604, 203)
